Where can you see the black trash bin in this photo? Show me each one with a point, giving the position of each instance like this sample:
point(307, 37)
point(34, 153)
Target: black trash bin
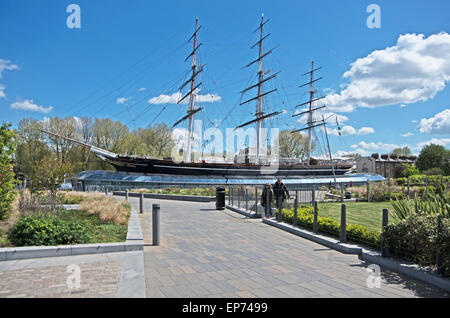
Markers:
point(348, 195)
point(220, 198)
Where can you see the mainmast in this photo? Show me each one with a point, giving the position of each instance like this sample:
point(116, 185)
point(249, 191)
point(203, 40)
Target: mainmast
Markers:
point(259, 114)
point(310, 123)
point(192, 110)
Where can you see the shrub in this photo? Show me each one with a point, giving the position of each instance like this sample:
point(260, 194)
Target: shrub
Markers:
point(356, 233)
point(38, 230)
point(415, 239)
point(434, 172)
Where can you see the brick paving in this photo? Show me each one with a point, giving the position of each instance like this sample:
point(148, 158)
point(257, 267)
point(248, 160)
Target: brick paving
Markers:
point(210, 253)
point(47, 277)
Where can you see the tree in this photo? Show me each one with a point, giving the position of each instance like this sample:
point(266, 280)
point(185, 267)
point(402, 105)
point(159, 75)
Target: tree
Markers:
point(65, 127)
point(407, 170)
point(434, 156)
point(402, 152)
point(7, 181)
point(48, 174)
point(293, 145)
point(31, 145)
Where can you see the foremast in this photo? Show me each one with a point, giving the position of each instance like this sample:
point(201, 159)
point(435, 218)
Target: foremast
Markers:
point(192, 109)
point(311, 123)
point(260, 115)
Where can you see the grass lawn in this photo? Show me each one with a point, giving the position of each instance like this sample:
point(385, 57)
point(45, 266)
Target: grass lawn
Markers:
point(364, 213)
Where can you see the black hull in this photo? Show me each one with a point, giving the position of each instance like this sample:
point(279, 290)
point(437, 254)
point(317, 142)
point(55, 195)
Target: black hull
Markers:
point(168, 167)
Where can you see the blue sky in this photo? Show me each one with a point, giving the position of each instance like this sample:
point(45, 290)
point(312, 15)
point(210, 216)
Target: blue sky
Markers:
point(396, 87)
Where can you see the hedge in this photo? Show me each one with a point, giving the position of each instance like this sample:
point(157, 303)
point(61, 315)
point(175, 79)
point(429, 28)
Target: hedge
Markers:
point(415, 239)
point(355, 232)
point(39, 230)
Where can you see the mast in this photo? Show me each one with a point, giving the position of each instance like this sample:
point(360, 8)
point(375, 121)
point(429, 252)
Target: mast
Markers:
point(310, 123)
point(192, 110)
point(260, 116)
point(329, 150)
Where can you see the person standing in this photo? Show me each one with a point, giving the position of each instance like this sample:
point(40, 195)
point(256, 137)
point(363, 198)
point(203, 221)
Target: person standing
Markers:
point(280, 192)
point(266, 200)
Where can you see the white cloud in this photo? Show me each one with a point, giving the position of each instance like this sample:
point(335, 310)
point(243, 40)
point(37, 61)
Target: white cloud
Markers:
point(29, 105)
point(349, 130)
point(141, 89)
point(443, 142)
point(330, 117)
point(121, 100)
point(415, 69)
point(6, 65)
point(407, 134)
point(175, 97)
point(375, 146)
point(2, 91)
point(366, 131)
point(414, 121)
point(439, 124)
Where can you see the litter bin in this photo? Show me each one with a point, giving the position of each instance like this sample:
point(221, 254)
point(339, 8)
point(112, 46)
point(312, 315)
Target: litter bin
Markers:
point(220, 198)
point(348, 195)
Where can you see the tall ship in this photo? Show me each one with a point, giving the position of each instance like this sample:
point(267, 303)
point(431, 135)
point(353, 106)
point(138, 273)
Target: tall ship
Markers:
point(261, 166)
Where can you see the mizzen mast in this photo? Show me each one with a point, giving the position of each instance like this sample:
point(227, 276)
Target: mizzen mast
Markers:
point(192, 110)
point(260, 115)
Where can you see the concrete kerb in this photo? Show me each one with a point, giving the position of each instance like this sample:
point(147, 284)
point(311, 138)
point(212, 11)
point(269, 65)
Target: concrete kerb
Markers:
point(177, 197)
point(254, 215)
point(363, 253)
point(134, 242)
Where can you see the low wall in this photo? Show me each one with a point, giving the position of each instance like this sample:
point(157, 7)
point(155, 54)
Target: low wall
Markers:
point(179, 197)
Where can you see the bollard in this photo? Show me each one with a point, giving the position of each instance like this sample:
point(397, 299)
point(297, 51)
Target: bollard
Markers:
point(343, 224)
point(155, 224)
point(315, 224)
point(280, 216)
point(106, 191)
point(294, 221)
point(438, 241)
point(256, 200)
point(368, 191)
point(126, 195)
point(141, 203)
point(246, 200)
point(239, 198)
point(342, 193)
point(385, 220)
point(409, 190)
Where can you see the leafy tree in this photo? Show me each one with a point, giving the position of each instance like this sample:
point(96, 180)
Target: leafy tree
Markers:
point(293, 145)
point(48, 174)
point(434, 156)
point(31, 146)
point(408, 170)
point(402, 151)
point(7, 148)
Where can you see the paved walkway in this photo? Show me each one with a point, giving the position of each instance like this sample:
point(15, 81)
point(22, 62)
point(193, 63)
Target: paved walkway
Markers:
point(47, 277)
point(210, 253)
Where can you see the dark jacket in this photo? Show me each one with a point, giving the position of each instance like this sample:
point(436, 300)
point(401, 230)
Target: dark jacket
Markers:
point(264, 196)
point(280, 191)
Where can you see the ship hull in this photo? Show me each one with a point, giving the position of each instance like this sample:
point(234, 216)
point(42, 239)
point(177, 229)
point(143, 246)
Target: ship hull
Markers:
point(154, 166)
